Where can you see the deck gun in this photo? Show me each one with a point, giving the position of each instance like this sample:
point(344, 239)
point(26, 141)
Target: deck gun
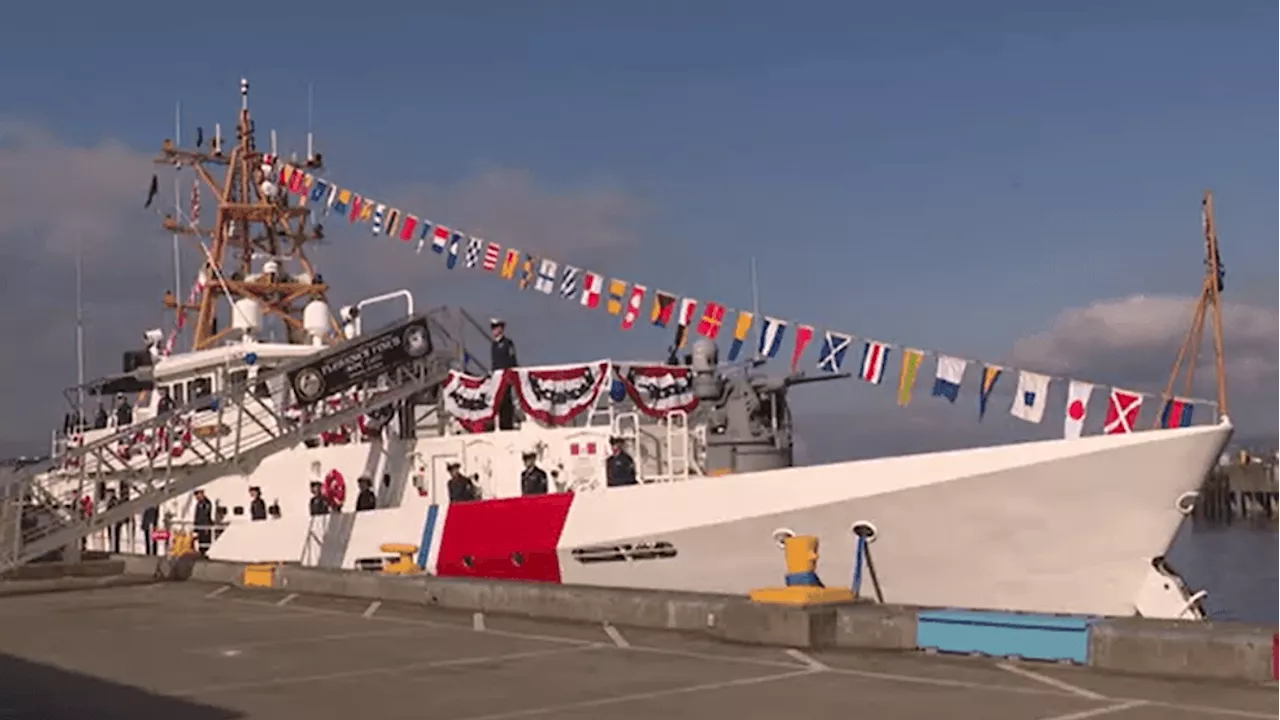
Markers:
point(747, 417)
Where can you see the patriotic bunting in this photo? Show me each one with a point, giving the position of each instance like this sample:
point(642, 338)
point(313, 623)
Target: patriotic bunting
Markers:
point(550, 277)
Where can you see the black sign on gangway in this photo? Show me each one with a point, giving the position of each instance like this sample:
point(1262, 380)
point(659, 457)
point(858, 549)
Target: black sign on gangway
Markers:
point(361, 361)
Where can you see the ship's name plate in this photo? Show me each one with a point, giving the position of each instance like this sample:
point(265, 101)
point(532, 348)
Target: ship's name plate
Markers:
point(361, 362)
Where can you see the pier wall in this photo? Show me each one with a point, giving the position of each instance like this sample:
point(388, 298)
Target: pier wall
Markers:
point(1174, 649)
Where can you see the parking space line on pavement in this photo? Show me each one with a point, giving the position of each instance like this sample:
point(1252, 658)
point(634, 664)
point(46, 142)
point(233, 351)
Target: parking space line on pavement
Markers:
point(632, 697)
point(1096, 712)
point(811, 663)
point(1050, 681)
point(373, 608)
point(781, 664)
point(381, 670)
point(286, 599)
point(616, 636)
point(477, 622)
point(217, 591)
point(389, 632)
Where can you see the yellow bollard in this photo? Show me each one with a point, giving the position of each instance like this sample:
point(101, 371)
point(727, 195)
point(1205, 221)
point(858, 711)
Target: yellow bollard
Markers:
point(803, 587)
point(406, 562)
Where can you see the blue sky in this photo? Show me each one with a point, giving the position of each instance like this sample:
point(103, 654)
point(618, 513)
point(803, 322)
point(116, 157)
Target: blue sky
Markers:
point(950, 175)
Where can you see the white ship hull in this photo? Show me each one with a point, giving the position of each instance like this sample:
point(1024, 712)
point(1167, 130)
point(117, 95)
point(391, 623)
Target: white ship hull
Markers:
point(1068, 526)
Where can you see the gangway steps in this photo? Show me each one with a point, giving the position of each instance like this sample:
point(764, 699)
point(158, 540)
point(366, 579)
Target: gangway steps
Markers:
point(229, 432)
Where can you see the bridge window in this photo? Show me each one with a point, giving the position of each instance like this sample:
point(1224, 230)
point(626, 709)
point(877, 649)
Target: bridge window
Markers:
point(200, 387)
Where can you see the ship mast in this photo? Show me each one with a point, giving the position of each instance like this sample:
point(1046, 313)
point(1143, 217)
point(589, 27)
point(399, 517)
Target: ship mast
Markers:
point(1209, 301)
point(254, 248)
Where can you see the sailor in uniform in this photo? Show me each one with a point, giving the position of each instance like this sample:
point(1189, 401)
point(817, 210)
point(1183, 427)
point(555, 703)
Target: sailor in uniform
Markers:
point(619, 469)
point(533, 481)
point(461, 487)
point(503, 357)
point(319, 504)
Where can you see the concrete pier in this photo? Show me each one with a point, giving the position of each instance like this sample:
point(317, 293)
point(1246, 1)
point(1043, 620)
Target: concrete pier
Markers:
point(320, 645)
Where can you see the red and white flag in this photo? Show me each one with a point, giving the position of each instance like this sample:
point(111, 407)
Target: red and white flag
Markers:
point(633, 306)
point(491, 253)
point(873, 362)
point(1122, 411)
point(1078, 394)
point(592, 287)
point(804, 334)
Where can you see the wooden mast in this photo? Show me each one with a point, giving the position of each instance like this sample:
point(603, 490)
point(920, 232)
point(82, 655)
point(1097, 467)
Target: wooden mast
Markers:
point(252, 220)
point(1208, 303)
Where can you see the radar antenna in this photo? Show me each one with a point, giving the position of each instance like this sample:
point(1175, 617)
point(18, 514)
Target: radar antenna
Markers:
point(256, 243)
point(1209, 301)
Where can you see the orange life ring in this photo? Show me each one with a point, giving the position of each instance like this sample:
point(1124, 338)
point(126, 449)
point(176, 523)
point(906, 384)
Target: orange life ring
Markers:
point(335, 488)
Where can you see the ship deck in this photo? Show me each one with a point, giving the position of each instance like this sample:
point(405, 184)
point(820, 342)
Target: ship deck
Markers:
point(205, 652)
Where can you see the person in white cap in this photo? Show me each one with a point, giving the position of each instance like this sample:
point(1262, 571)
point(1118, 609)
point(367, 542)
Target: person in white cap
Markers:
point(503, 358)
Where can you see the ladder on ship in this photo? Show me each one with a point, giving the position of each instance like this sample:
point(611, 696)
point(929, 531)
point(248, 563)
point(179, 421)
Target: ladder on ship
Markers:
point(233, 431)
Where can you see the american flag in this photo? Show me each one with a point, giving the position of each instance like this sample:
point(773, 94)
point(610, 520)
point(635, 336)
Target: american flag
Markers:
point(195, 202)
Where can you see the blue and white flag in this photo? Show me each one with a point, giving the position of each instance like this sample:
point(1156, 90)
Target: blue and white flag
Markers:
point(455, 240)
point(546, 281)
point(1032, 395)
point(379, 213)
point(771, 333)
point(569, 282)
point(834, 347)
point(946, 382)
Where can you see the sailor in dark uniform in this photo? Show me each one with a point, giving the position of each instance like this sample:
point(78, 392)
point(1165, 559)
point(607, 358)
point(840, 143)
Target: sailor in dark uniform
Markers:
point(619, 469)
point(257, 506)
point(533, 481)
point(461, 487)
point(202, 520)
point(366, 500)
point(318, 504)
point(503, 358)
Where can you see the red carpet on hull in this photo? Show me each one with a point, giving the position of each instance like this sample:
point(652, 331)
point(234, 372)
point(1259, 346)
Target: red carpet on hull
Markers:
point(511, 539)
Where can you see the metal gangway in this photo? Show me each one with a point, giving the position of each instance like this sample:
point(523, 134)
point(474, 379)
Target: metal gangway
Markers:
point(231, 432)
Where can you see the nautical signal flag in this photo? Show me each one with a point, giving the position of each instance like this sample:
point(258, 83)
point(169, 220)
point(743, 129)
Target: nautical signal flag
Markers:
point(378, 214)
point(357, 204)
point(343, 202)
point(947, 379)
point(392, 222)
point(875, 356)
point(804, 334)
point(1176, 413)
point(1077, 408)
point(1031, 397)
point(911, 359)
point(634, 304)
point(684, 318)
point(771, 334)
point(990, 376)
point(712, 319)
point(664, 306)
point(1122, 412)
point(366, 210)
point(741, 327)
point(526, 271)
point(406, 229)
point(509, 264)
point(547, 271)
point(455, 241)
point(617, 288)
point(834, 347)
point(492, 252)
point(569, 282)
point(473, 250)
point(439, 238)
point(592, 286)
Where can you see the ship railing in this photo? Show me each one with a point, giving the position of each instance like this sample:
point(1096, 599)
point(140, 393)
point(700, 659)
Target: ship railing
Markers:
point(244, 430)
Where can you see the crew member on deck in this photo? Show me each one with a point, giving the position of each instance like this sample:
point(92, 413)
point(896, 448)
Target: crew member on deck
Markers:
point(503, 358)
point(202, 520)
point(319, 504)
point(257, 506)
point(124, 411)
point(533, 481)
point(366, 500)
point(461, 487)
point(619, 469)
point(165, 403)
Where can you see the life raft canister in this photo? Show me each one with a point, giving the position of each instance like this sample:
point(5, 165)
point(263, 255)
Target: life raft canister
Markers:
point(335, 488)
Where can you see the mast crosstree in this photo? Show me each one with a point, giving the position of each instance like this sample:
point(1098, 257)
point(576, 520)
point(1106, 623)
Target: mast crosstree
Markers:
point(256, 242)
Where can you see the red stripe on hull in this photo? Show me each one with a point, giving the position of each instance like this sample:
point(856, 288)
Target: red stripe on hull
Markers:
point(511, 539)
